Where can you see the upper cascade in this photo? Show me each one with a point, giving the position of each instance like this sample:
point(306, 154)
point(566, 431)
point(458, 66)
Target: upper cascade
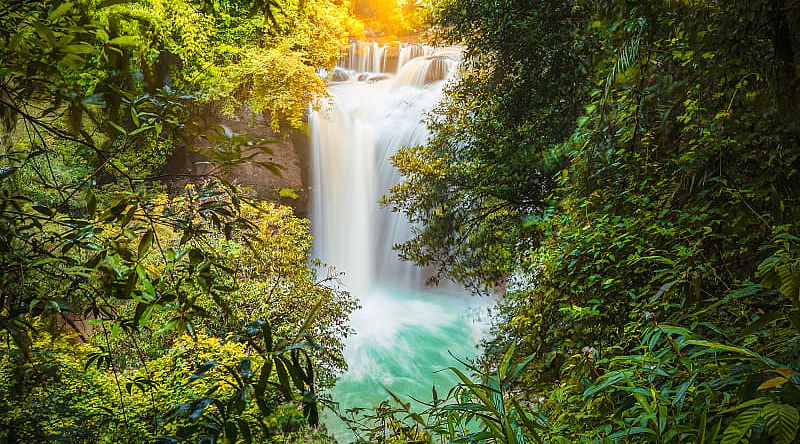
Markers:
point(425, 70)
point(411, 64)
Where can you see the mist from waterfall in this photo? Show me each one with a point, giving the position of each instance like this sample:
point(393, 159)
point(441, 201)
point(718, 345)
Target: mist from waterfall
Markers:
point(405, 330)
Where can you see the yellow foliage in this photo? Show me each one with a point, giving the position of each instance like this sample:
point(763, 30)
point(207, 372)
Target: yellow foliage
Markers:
point(235, 62)
point(55, 396)
point(392, 17)
point(275, 80)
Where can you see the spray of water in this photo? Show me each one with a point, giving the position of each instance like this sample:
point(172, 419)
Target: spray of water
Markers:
point(404, 330)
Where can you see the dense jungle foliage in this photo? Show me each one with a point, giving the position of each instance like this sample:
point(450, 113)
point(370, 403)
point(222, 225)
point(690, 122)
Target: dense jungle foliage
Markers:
point(135, 312)
point(629, 174)
point(625, 173)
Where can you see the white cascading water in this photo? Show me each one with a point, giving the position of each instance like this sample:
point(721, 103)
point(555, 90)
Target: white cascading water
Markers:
point(404, 330)
point(412, 51)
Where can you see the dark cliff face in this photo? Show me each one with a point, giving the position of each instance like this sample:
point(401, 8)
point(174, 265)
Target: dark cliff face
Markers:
point(290, 150)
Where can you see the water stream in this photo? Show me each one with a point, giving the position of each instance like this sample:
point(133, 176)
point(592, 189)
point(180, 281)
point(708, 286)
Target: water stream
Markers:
point(404, 330)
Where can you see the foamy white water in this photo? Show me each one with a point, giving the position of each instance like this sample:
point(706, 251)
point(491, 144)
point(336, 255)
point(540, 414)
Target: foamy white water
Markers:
point(405, 330)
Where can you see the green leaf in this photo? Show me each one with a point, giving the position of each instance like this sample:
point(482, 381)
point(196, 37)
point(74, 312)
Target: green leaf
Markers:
point(43, 210)
point(195, 256)
point(503, 370)
point(475, 389)
point(747, 404)
point(79, 48)
point(734, 349)
point(244, 368)
point(682, 389)
point(60, 11)
point(120, 129)
point(145, 243)
point(283, 377)
point(740, 425)
point(125, 40)
point(91, 204)
point(172, 324)
point(782, 422)
point(310, 318)
point(202, 369)
point(519, 367)
point(141, 129)
point(263, 378)
point(759, 323)
point(142, 314)
point(296, 371)
point(190, 330)
point(198, 407)
point(606, 381)
point(632, 431)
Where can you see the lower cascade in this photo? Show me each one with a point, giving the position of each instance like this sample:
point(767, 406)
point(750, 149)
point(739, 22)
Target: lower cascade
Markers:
point(405, 330)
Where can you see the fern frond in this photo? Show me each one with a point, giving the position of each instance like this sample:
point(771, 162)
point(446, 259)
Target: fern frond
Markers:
point(628, 56)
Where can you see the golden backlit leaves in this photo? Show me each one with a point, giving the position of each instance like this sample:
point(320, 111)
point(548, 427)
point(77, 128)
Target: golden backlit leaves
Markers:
point(390, 18)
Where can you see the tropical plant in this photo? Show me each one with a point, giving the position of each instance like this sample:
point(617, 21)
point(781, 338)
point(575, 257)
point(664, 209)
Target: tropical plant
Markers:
point(94, 96)
point(483, 408)
point(613, 169)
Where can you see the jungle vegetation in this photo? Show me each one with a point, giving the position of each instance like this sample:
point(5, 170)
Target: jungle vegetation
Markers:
point(628, 174)
point(136, 310)
point(625, 174)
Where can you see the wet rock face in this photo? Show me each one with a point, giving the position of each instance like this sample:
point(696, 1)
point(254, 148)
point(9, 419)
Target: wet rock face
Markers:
point(290, 151)
point(339, 75)
point(377, 78)
point(391, 57)
point(438, 69)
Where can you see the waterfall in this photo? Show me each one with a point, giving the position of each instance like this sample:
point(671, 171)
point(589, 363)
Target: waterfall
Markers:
point(412, 51)
point(353, 138)
point(365, 57)
point(424, 70)
point(404, 329)
point(374, 58)
point(354, 135)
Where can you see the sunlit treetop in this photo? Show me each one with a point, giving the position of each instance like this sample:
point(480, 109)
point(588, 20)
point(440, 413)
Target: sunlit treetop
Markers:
point(392, 17)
